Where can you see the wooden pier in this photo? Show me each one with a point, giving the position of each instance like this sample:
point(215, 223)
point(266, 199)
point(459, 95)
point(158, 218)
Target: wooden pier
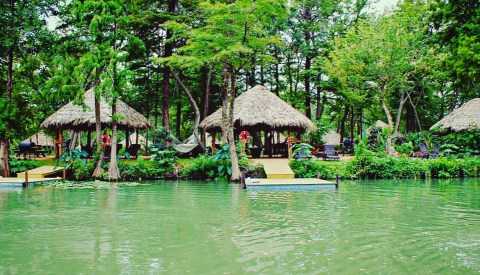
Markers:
point(42, 172)
point(40, 175)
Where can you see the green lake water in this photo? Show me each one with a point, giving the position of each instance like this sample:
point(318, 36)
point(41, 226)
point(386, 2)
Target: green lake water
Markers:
point(379, 227)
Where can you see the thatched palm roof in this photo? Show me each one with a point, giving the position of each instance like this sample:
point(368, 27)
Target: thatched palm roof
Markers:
point(41, 139)
point(72, 116)
point(260, 109)
point(465, 117)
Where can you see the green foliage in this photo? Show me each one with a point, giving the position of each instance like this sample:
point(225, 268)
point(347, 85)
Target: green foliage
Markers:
point(18, 165)
point(140, 170)
point(215, 166)
point(82, 171)
point(67, 158)
point(164, 160)
point(305, 168)
point(464, 143)
point(306, 148)
point(323, 126)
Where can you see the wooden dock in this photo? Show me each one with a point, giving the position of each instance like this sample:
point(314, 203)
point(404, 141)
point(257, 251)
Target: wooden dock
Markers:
point(41, 172)
point(291, 183)
point(21, 182)
point(276, 168)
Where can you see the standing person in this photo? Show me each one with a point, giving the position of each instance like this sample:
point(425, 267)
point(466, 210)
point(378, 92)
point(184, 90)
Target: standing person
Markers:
point(105, 139)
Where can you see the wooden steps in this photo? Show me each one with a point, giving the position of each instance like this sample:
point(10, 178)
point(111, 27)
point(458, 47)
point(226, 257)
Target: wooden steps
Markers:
point(276, 168)
point(41, 172)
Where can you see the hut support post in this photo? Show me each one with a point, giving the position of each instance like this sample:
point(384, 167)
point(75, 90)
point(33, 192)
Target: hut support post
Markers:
point(213, 142)
point(58, 143)
point(127, 138)
point(289, 145)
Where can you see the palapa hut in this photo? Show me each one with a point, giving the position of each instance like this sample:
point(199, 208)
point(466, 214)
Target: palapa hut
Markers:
point(465, 117)
point(258, 109)
point(82, 117)
point(40, 139)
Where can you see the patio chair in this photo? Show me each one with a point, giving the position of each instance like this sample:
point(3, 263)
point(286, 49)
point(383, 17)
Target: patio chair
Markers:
point(424, 154)
point(347, 147)
point(301, 154)
point(328, 153)
point(435, 153)
point(132, 150)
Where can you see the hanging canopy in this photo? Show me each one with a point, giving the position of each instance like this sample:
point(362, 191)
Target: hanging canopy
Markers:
point(465, 117)
point(82, 117)
point(259, 109)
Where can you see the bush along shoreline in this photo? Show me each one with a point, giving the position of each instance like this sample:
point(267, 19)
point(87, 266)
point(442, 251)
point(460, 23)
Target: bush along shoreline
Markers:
point(373, 166)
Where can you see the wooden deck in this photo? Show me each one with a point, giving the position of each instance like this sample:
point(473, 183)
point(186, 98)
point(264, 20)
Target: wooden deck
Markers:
point(276, 168)
point(41, 172)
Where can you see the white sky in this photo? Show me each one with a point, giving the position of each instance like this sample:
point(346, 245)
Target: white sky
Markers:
point(381, 5)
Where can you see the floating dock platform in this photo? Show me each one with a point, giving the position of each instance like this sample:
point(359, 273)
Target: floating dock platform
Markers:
point(310, 183)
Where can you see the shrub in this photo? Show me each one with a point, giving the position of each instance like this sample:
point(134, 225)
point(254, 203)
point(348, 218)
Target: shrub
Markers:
point(471, 167)
point(445, 167)
point(18, 165)
point(140, 170)
point(305, 168)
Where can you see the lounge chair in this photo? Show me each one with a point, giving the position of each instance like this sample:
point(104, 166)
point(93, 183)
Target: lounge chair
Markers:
point(328, 153)
point(436, 152)
point(132, 150)
point(424, 154)
point(302, 154)
point(347, 147)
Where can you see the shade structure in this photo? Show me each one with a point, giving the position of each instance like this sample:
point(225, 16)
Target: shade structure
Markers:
point(465, 117)
point(259, 109)
point(40, 139)
point(82, 117)
point(133, 139)
point(331, 138)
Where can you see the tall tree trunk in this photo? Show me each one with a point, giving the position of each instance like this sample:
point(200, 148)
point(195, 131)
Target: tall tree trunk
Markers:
point(308, 100)
point(98, 172)
point(399, 113)
point(178, 122)
point(172, 6)
point(352, 123)
point(226, 81)
point(236, 174)
point(4, 141)
point(206, 75)
point(113, 172)
point(196, 111)
point(389, 145)
point(342, 123)
point(277, 73)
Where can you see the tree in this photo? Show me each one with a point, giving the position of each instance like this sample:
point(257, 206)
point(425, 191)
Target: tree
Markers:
point(103, 27)
point(22, 34)
point(378, 59)
point(233, 34)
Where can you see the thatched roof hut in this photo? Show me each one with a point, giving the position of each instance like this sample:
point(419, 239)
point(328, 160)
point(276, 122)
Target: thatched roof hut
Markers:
point(82, 117)
point(259, 109)
point(40, 139)
point(332, 138)
point(133, 139)
point(465, 117)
